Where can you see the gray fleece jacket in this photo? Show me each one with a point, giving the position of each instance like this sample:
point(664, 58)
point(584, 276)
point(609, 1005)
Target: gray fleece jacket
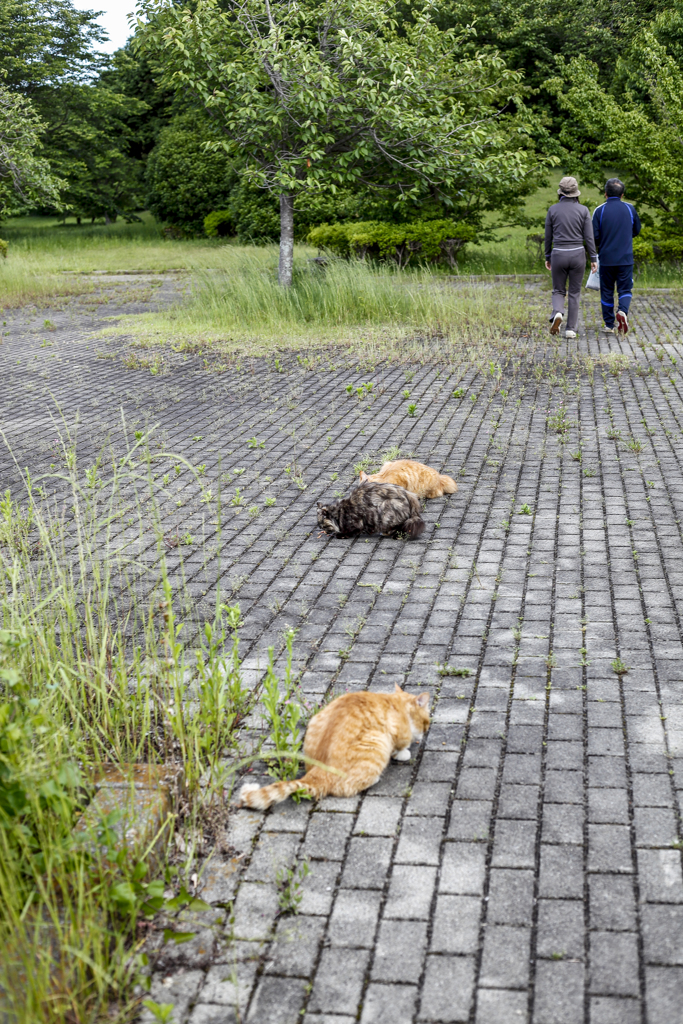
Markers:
point(567, 226)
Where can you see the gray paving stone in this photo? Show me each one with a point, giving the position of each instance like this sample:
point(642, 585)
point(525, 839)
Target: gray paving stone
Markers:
point(663, 992)
point(609, 848)
point(317, 888)
point(388, 1004)
point(420, 841)
point(254, 911)
point(378, 816)
point(326, 835)
point(295, 946)
point(429, 798)
point(505, 961)
point(328, 1018)
point(558, 996)
point(562, 823)
point(612, 903)
point(614, 963)
point(277, 1000)
point(663, 934)
point(470, 819)
point(608, 806)
point(514, 845)
point(354, 918)
point(456, 924)
point(447, 992)
point(659, 876)
point(510, 897)
point(367, 863)
point(497, 1005)
point(560, 928)
point(400, 951)
point(613, 1010)
point(339, 981)
point(561, 874)
point(178, 990)
point(462, 869)
point(410, 892)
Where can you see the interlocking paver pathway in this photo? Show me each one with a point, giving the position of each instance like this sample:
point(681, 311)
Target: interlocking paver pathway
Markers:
point(526, 864)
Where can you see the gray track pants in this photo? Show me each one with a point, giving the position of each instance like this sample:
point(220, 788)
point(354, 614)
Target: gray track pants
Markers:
point(570, 265)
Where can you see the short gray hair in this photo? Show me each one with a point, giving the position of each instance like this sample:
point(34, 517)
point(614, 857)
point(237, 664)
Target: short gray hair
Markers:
point(614, 187)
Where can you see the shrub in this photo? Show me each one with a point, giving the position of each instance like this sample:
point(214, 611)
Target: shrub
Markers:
point(642, 251)
point(655, 245)
point(219, 224)
point(185, 181)
point(669, 250)
point(4, 246)
point(431, 240)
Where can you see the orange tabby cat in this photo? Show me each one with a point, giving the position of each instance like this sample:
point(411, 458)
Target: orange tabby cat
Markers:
point(413, 476)
point(357, 734)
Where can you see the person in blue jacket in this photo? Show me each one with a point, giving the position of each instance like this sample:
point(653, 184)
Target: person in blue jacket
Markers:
point(615, 225)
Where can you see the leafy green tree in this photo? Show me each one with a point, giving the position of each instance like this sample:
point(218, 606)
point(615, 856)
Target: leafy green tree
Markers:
point(636, 127)
point(25, 176)
point(86, 141)
point(533, 35)
point(45, 43)
point(325, 94)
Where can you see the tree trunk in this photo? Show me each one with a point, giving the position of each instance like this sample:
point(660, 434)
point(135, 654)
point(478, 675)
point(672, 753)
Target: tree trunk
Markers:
point(286, 240)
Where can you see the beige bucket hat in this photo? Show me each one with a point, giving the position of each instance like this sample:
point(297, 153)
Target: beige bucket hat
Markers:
point(569, 187)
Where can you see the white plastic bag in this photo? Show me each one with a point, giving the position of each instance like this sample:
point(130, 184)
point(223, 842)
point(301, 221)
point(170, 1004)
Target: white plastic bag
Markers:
point(593, 281)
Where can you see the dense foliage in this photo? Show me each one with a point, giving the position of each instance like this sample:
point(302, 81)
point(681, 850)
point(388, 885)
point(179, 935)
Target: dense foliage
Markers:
point(354, 112)
point(321, 95)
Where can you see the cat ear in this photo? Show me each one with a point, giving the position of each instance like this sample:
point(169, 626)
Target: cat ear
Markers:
point(423, 700)
point(363, 475)
point(397, 688)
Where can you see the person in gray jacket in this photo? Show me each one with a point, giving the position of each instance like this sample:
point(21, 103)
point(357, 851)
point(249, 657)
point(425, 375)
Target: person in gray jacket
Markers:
point(568, 227)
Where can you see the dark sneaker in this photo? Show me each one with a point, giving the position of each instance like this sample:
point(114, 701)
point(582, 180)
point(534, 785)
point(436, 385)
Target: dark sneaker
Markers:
point(622, 322)
point(555, 322)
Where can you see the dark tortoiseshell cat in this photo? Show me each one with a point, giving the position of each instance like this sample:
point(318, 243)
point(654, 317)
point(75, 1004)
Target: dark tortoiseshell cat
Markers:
point(373, 508)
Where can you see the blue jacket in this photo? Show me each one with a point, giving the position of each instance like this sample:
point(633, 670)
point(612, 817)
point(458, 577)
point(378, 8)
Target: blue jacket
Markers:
point(615, 225)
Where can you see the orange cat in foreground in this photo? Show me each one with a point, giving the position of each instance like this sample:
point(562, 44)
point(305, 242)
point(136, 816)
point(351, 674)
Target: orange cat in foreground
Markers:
point(415, 477)
point(356, 734)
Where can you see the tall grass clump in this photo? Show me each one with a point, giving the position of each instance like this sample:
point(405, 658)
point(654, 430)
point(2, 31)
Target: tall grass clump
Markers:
point(93, 672)
point(242, 307)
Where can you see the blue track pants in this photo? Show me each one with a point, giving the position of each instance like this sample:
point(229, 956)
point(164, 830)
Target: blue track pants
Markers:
point(622, 277)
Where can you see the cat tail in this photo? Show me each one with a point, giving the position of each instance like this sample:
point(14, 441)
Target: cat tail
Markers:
point(263, 797)
point(414, 527)
point(448, 483)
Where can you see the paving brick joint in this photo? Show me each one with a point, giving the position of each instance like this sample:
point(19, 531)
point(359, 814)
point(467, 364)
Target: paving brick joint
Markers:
point(525, 865)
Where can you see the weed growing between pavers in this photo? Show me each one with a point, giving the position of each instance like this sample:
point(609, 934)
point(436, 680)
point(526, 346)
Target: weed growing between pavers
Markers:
point(93, 670)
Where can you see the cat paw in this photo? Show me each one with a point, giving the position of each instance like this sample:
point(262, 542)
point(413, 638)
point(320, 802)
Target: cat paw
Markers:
point(402, 755)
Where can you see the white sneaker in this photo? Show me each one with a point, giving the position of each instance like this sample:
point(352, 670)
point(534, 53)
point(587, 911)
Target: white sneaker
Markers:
point(608, 330)
point(555, 322)
point(570, 334)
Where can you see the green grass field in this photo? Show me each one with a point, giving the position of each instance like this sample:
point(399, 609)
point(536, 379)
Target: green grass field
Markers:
point(235, 299)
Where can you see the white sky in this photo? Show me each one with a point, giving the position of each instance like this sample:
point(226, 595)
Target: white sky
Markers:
point(113, 19)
